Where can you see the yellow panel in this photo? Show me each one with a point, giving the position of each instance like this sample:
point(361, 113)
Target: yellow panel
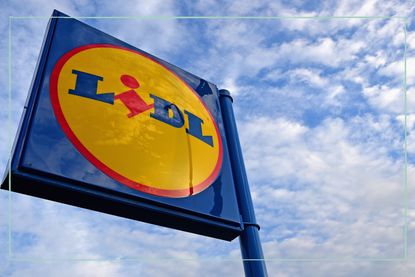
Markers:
point(140, 152)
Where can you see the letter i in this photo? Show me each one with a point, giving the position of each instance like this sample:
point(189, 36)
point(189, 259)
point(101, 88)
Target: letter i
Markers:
point(130, 98)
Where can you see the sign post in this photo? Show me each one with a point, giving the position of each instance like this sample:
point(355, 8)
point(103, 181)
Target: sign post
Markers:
point(253, 258)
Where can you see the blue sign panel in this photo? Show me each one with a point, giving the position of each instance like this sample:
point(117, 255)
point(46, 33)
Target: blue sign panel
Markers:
point(111, 128)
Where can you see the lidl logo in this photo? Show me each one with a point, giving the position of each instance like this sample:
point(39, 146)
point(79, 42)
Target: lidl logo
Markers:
point(136, 120)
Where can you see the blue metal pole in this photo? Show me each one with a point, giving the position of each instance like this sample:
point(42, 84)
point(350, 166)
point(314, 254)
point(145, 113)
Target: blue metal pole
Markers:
point(253, 258)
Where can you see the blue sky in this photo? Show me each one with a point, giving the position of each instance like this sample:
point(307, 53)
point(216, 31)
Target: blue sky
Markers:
point(320, 113)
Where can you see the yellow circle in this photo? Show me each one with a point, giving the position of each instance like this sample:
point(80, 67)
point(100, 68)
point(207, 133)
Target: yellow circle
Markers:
point(139, 151)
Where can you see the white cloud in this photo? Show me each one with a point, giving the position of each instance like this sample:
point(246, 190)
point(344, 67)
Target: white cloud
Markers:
point(230, 85)
point(394, 69)
point(410, 120)
point(373, 8)
point(410, 40)
point(385, 98)
point(315, 179)
point(309, 76)
point(377, 60)
point(324, 51)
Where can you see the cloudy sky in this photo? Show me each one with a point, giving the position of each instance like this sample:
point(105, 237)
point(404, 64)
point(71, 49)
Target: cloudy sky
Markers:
point(320, 104)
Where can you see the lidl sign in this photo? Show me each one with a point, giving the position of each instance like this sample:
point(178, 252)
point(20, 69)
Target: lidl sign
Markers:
point(140, 124)
point(112, 128)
